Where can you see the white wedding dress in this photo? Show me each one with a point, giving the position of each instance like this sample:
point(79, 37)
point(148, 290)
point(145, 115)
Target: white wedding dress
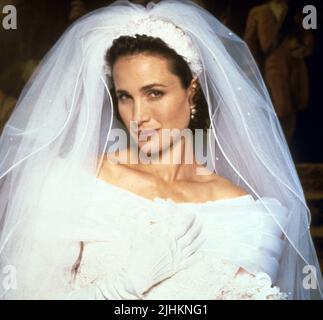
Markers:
point(240, 234)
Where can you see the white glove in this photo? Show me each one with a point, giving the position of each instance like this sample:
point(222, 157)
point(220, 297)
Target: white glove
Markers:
point(157, 256)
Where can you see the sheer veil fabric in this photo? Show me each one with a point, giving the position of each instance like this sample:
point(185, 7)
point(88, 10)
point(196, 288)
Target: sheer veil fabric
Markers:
point(65, 115)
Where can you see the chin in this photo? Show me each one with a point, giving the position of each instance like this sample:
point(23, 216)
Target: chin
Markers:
point(153, 150)
point(150, 148)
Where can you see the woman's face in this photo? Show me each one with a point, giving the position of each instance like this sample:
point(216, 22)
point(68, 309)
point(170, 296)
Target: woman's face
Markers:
point(152, 97)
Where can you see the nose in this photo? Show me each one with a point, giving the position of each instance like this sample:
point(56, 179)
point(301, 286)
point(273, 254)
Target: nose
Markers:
point(140, 112)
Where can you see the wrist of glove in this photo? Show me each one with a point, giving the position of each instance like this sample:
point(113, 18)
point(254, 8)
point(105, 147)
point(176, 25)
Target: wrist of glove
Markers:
point(120, 288)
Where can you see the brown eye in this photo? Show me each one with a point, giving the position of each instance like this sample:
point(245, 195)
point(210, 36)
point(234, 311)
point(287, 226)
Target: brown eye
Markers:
point(155, 93)
point(122, 97)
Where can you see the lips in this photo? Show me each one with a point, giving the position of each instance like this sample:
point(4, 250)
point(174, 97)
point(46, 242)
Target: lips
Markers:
point(147, 132)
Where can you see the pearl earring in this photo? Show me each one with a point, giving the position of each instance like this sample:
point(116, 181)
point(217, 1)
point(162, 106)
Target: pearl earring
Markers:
point(193, 106)
point(193, 111)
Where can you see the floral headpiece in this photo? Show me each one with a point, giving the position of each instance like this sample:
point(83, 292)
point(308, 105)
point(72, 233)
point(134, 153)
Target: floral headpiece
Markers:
point(172, 35)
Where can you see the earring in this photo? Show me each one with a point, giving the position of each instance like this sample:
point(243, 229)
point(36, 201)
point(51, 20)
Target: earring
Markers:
point(193, 111)
point(193, 106)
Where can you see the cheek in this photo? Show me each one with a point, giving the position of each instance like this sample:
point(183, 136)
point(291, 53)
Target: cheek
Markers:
point(173, 112)
point(125, 115)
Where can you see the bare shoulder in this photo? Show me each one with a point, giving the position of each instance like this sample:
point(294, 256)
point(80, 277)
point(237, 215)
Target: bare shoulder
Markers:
point(109, 167)
point(220, 187)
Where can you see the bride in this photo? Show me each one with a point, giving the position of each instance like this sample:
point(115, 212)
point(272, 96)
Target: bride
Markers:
point(144, 160)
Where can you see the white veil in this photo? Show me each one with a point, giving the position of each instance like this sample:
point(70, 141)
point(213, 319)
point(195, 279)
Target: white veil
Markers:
point(65, 112)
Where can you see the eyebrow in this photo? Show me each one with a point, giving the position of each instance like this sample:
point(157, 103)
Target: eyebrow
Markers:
point(144, 88)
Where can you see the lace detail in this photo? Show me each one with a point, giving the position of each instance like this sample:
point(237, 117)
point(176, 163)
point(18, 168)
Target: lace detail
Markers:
point(249, 287)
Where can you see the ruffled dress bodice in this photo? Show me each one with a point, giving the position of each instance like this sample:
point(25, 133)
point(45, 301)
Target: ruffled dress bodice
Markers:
point(240, 233)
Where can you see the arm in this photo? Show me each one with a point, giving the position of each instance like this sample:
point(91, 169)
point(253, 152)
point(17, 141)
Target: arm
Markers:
point(250, 241)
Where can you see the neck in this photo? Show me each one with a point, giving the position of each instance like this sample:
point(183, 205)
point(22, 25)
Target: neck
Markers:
point(171, 164)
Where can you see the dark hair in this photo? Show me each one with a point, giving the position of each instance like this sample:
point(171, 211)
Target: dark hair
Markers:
point(126, 45)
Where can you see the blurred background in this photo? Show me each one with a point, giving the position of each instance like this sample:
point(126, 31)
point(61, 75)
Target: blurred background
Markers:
point(289, 57)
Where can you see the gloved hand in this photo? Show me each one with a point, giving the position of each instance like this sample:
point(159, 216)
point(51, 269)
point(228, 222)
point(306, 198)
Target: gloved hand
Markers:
point(157, 254)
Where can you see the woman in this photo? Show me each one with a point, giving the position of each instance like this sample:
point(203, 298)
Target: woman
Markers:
point(115, 197)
